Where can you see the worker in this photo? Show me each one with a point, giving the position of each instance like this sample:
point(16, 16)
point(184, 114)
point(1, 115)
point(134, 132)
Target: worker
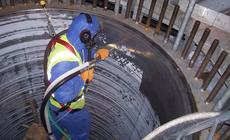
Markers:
point(68, 51)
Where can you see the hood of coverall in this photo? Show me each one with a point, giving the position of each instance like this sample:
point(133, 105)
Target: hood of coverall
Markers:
point(79, 24)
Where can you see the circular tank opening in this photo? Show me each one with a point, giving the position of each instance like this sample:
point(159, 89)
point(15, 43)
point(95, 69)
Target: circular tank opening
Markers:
point(137, 88)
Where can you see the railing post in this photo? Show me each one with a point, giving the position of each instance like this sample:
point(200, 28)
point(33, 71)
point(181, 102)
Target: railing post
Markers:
point(149, 18)
point(199, 47)
point(82, 2)
point(71, 2)
point(24, 1)
point(33, 105)
point(187, 15)
point(117, 6)
point(162, 14)
point(128, 8)
point(12, 2)
point(140, 5)
point(215, 68)
point(207, 58)
point(171, 23)
point(94, 3)
point(1, 5)
point(106, 4)
point(219, 84)
point(190, 39)
point(223, 100)
point(60, 1)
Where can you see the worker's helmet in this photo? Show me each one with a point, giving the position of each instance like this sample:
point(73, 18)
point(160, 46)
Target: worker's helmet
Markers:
point(83, 29)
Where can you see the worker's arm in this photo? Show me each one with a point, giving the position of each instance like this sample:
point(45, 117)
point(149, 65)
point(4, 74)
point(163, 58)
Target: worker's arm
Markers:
point(69, 90)
point(88, 75)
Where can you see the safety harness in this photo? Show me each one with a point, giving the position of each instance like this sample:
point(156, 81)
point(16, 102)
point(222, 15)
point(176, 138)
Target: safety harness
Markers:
point(61, 50)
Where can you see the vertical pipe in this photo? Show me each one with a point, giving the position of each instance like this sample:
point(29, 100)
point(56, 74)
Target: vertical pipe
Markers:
point(71, 2)
point(1, 5)
point(12, 2)
point(139, 11)
point(25, 1)
point(60, 1)
point(226, 135)
point(153, 3)
point(171, 23)
point(219, 84)
point(94, 3)
point(117, 7)
point(199, 47)
point(162, 14)
point(128, 8)
point(207, 58)
point(215, 68)
point(34, 106)
point(106, 4)
point(223, 100)
point(190, 39)
point(82, 2)
point(187, 15)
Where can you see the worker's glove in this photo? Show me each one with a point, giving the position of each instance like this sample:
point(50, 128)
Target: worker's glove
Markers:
point(102, 54)
point(42, 3)
point(87, 76)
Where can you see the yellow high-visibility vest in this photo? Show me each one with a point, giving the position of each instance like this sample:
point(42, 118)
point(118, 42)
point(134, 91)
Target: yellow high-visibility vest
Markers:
point(60, 53)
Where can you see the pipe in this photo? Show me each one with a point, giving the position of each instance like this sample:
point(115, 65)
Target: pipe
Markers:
point(190, 39)
point(219, 84)
point(222, 101)
point(24, 1)
point(128, 9)
point(207, 58)
point(117, 7)
point(199, 47)
point(215, 68)
point(1, 5)
point(34, 106)
point(153, 3)
point(106, 4)
point(139, 11)
point(187, 15)
point(94, 3)
point(157, 133)
point(82, 2)
point(71, 2)
point(60, 1)
point(12, 2)
point(226, 135)
point(162, 14)
point(171, 23)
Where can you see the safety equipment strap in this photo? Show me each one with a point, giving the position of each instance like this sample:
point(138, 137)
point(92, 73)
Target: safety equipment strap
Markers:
point(76, 103)
point(65, 51)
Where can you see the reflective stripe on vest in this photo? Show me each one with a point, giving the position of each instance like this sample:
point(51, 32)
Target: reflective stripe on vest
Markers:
point(59, 53)
point(79, 104)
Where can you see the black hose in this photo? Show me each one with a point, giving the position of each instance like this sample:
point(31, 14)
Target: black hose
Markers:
point(47, 97)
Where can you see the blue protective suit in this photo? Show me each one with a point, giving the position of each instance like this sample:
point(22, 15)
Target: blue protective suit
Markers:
point(76, 124)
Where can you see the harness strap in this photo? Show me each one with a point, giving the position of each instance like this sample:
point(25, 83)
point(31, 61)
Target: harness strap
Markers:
point(67, 106)
point(63, 43)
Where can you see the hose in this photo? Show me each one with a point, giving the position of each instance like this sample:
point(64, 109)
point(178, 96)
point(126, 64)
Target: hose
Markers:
point(56, 125)
point(53, 86)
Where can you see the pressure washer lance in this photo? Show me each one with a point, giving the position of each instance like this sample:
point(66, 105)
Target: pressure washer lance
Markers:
point(53, 86)
point(49, 25)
